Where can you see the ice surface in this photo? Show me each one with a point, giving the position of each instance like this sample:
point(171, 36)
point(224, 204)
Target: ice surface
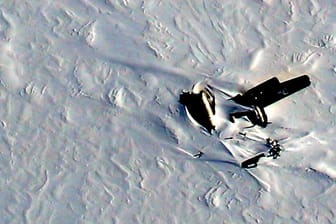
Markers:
point(92, 131)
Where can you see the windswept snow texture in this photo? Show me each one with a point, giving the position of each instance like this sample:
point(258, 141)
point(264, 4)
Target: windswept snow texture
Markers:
point(91, 127)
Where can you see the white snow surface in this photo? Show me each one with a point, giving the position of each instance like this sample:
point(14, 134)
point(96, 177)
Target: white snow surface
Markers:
point(91, 127)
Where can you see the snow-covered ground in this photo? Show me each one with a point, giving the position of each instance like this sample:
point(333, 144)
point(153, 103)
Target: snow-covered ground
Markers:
point(91, 127)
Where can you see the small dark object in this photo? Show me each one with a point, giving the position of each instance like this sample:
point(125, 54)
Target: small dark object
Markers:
point(198, 155)
point(275, 148)
point(253, 161)
point(266, 94)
